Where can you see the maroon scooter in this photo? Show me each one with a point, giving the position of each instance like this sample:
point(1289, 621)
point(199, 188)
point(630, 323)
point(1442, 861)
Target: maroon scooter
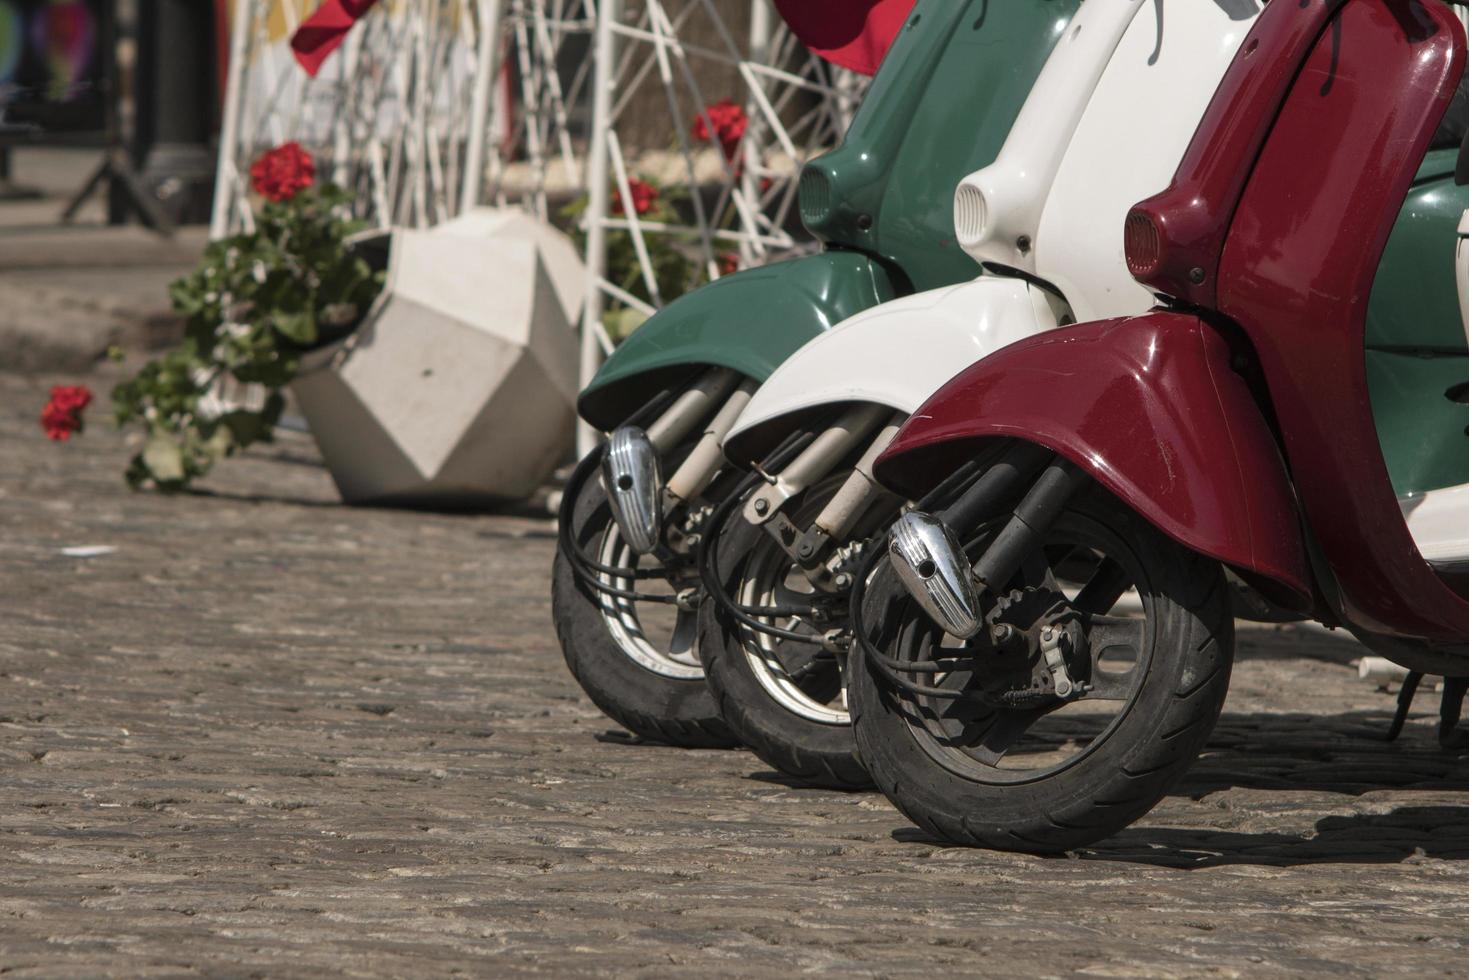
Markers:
point(1047, 641)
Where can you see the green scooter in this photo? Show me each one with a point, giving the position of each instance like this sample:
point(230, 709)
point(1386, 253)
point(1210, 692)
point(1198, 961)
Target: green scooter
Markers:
point(627, 588)
point(1417, 351)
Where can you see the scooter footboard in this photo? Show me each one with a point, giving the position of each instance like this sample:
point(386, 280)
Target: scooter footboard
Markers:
point(1151, 409)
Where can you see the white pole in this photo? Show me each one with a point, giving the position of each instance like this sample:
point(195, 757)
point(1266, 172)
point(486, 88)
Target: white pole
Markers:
point(759, 54)
point(490, 14)
point(604, 51)
point(224, 172)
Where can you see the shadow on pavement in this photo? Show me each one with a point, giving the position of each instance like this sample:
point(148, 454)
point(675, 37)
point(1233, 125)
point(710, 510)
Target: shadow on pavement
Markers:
point(1300, 753)
point(1440, 831)
point(1341, 753)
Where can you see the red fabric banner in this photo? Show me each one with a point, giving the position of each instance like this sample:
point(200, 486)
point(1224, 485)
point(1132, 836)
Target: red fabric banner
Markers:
point(325, 30)
point(855, 34)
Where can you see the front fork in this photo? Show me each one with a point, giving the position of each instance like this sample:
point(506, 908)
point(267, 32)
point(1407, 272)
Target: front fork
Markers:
point(632, 467)
point(931, 562)
point(811, 547)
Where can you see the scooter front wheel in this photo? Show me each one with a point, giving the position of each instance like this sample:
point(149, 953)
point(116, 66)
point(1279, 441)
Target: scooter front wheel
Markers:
point(634, 658)
point(973, 741)
point(783, 692)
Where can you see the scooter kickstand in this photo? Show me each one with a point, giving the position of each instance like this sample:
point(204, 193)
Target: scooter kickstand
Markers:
point(1405, 704)
point(1449, 712)
point(1449, 736)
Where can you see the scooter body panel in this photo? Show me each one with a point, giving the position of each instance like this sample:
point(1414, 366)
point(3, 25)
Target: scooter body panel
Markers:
point(1157, 85)
point(883, 190)
point(1151, 409)
point(1114, 78)
point(1420, 423)
point(1122, 70)
point(1301, 254)
point(883, 198)
point(897, 354)
point(1439, 522)
point(1407, 312)
point(750, 321)
point(997, 209)
point(1416, 347)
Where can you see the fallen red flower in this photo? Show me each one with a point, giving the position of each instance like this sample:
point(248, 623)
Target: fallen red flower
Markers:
point(62, 415)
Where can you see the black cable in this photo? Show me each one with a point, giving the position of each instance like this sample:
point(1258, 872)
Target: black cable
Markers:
point(587, 570)
point(709, 560)
point(889, 668)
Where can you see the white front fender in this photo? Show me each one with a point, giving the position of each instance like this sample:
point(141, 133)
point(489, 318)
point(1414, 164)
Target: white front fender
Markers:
point(901, 352)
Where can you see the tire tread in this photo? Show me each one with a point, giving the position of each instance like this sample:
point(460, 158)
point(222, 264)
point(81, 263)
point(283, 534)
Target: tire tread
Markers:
point(1188, 718)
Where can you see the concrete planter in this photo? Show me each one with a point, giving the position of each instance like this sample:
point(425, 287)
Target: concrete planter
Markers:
point(458, 389)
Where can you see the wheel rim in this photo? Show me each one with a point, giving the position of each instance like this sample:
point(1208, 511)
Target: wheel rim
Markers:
point(769, 659)
point(804, 679)
point(665, 648)
point(1007, 746)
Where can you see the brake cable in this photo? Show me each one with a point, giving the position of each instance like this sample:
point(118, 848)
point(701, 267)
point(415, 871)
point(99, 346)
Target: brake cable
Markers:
point(709, 553)
point(890, 668)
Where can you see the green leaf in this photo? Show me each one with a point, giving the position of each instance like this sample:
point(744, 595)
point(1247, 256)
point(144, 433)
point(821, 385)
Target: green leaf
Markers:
point(297, 327)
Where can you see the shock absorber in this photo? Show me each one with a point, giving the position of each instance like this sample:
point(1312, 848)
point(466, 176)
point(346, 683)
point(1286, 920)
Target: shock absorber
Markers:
point(631, 470)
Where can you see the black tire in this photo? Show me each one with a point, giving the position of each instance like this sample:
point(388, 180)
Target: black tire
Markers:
point(1118, 778)
point(676, 710)
point(817, 754)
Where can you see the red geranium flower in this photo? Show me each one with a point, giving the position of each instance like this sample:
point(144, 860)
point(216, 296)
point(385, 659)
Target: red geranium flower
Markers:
point(644, 196)
point(730, 123)
point(282, 173)
point(728, 262)
point(63, 413)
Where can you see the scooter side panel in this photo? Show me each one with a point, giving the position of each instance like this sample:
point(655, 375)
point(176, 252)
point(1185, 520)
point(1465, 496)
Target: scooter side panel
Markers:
point(1420, 426)
point(1167, 67)
point(1302, 253)
point(1151, 409)
point(1013, 188)
point(750, 321)
point(943, 105)
point(896, 355)
point(1416, 349)
point(1415, 303)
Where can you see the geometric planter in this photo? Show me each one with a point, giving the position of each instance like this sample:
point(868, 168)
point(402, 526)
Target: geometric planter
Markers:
point(457, 390)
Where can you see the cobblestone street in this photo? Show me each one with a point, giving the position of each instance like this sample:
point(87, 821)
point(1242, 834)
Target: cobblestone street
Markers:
point(268, 734)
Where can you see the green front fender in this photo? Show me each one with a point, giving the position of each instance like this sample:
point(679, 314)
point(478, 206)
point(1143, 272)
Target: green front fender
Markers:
point(750, 321)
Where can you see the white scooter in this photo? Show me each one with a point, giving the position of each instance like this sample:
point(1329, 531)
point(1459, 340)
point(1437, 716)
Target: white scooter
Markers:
point(1105, 126)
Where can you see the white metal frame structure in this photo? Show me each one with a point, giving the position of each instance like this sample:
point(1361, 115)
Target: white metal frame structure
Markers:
point(796, 105)
point(414, 111)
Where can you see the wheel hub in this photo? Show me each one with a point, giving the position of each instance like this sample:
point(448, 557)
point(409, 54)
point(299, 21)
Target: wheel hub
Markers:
point(1035, 639)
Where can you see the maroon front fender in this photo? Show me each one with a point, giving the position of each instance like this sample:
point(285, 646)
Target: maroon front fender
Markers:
point(1151, 409)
